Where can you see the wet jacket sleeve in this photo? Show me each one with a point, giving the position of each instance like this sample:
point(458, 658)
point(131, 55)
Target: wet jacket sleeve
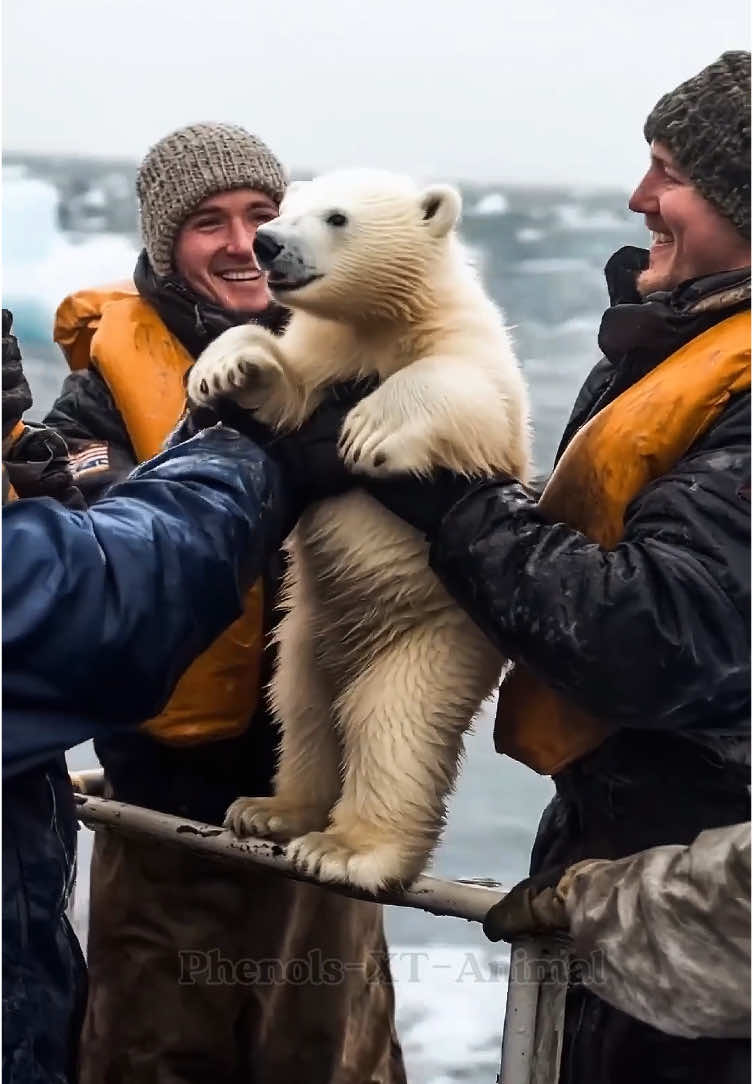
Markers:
point(639, 635)
point(103, 610)
point(85, 415)
point(665, 934)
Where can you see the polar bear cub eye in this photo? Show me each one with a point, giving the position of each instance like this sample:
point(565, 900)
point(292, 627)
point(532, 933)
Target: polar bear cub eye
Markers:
point(336, 218)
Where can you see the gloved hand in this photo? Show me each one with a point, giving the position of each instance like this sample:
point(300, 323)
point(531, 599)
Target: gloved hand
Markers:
point(16, 393)
point(535, 906)
point(308, 457)
point(422, 502)
point(37, 465)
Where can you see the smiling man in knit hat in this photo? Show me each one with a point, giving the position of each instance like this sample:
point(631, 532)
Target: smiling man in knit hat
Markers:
point(622, 594)
point(696, 193)
point(198, 973)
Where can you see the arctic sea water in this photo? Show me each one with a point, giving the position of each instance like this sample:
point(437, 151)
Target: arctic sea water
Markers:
point(540, 253)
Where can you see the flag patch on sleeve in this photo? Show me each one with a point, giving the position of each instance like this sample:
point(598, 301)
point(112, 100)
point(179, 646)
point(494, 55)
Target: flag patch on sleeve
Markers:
point(95, 457)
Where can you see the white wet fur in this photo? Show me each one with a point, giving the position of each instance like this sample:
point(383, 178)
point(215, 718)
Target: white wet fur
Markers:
point(379, 671)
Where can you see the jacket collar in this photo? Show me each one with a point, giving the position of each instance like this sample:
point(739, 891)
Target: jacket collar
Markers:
point(194, 320)
point(653, 327)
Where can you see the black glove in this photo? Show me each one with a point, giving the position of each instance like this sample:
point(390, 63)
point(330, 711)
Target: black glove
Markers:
point(422, 502)
point(16, 393)
point(308, 457)
point(37, 465)
point(534, 906)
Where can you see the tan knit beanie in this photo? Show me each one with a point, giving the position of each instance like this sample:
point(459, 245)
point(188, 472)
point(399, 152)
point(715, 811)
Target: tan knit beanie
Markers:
point(187, 166)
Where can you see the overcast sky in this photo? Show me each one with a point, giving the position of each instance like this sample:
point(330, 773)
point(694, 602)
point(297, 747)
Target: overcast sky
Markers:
point(531, 90)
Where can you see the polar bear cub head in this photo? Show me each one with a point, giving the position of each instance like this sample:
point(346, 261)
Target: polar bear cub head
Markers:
point(357, 243)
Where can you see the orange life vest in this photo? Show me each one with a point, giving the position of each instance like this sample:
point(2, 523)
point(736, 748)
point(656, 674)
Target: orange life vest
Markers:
point(115, 331)
point(636, 438)
point(18, 430)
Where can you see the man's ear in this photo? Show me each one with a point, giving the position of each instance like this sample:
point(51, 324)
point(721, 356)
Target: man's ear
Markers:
point(440, 208)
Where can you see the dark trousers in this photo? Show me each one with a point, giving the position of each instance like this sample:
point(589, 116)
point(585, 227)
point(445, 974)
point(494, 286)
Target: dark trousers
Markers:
point(199, 973)
point(639, 790)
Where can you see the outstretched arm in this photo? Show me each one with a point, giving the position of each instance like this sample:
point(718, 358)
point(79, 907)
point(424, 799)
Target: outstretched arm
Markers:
point(666, 932)
point(103, 610)
point(640, 635)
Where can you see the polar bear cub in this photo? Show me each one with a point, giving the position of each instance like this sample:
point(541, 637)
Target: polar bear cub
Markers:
point(379, 672)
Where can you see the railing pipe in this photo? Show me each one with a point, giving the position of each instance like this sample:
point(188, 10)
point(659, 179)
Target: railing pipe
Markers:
point(456, 899)
point(532, 1039)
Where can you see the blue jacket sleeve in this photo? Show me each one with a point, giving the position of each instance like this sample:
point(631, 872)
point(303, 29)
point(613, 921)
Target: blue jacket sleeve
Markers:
point(103, 610)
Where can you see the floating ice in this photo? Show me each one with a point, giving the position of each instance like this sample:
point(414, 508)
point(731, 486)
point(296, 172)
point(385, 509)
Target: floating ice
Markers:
point(492, 204)
point(573, 216)
point(41, 265)
point(553, 265)
point(529, 235)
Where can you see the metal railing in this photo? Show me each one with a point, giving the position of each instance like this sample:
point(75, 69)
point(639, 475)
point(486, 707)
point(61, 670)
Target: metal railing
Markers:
point(534, 1013)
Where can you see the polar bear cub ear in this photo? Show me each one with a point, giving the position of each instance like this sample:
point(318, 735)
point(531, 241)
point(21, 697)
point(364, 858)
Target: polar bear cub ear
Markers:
point(440, 208)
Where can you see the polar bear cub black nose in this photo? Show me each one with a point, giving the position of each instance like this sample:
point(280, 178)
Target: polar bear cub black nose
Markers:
point(266, 248)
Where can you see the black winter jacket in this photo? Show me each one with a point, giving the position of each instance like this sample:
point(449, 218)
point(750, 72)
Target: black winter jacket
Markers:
point(198, 781)
point(654, 635)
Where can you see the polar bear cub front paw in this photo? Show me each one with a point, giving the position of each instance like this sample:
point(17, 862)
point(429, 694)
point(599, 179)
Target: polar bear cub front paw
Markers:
point(243, 364)
point(377, 439)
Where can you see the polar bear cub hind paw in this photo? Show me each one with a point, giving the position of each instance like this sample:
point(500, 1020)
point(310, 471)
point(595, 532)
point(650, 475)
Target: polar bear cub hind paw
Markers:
point(274, 818)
